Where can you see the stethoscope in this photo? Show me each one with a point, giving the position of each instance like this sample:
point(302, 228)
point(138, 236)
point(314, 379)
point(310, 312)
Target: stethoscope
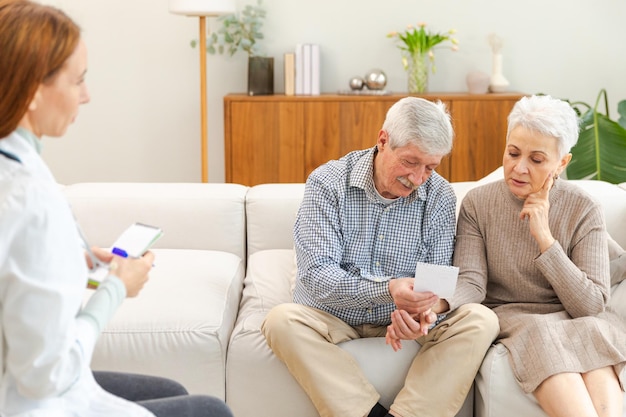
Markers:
point(10, 156)
point(96, 263)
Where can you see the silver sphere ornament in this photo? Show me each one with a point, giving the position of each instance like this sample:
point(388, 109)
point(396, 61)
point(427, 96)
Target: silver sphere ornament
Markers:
point(357, 83)
point(375, 79)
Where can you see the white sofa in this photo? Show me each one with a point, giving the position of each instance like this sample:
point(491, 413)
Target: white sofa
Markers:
point(225, 259)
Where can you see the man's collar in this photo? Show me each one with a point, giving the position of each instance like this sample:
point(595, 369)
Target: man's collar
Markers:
point(362, 175)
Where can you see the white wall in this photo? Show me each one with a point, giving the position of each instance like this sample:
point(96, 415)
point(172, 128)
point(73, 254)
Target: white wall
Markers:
point(143, 120)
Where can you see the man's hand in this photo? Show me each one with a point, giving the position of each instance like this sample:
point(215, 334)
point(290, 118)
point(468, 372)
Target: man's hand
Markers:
point(401, 290)
point(406, 327)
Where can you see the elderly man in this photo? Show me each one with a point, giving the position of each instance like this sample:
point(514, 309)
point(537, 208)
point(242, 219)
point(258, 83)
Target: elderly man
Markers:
point(364, 223)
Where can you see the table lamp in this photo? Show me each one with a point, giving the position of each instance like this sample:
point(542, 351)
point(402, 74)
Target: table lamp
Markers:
point(202, 9)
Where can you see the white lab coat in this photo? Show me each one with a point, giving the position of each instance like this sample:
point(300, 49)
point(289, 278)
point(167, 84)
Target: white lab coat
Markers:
point(46, 338)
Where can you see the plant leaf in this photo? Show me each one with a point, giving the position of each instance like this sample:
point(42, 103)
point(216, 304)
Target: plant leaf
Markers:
point(600, 153)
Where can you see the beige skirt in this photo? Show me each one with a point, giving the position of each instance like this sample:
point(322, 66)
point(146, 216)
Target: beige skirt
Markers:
point(542, 344)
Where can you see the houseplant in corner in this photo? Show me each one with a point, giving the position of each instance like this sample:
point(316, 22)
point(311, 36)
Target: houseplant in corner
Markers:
point(600, 153)
point(241, 32)
point(417, 44)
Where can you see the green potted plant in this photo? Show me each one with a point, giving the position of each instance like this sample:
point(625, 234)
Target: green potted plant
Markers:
point(242, 32)
point(600, 153)
point(417, 44)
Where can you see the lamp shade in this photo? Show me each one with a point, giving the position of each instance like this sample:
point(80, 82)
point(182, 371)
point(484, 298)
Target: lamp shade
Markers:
point(202, 7)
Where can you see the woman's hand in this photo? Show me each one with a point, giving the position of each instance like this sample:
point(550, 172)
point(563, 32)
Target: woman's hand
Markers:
point(536, 209)
point(102, 255)
point(133, 272)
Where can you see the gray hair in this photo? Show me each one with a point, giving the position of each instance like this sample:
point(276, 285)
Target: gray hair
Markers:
point(420, 122)
point(547, 116)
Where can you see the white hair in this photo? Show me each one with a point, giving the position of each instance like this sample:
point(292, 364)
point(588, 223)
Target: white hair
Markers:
point(549, 117)
point(420, 122)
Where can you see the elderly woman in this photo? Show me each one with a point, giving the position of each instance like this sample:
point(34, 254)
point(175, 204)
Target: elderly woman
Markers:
point(46, 336)
point(534, 249)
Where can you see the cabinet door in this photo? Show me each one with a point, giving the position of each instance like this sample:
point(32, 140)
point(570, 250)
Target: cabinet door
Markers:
point(264, 141)
point(322, 136)
point(334, 128)
point(480, 127)
point(360, 123)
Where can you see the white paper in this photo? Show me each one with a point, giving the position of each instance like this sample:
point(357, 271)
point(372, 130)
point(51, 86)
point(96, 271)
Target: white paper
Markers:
point(438, 279)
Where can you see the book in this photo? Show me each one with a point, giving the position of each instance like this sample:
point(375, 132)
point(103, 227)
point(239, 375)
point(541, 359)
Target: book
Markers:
point(306, 69)
point(438, 279)
point(290, 73)
point(315, 69)
point(299, 88)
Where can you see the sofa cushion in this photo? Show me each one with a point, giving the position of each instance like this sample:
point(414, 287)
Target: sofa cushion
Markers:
point(192, 216)
point(618, 301)
point(269, 280)
point(180, 324)
point(613, 201)
point(270, 214)
point(460, 189)
point(494, 387)
point(495, 175)
point(617, 257)
point(250, 360)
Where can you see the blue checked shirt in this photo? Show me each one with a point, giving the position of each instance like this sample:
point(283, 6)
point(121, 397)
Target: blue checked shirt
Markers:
point(349, 243)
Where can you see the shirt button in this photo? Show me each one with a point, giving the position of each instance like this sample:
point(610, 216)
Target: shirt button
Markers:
point(377, 263)
point(381, 237)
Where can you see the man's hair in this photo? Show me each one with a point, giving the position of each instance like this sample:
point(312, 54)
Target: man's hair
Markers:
point(420, 122)
point(35, 42)
point(547, 116)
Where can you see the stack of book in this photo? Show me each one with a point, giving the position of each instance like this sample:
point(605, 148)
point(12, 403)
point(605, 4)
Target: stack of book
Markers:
point(302, 70)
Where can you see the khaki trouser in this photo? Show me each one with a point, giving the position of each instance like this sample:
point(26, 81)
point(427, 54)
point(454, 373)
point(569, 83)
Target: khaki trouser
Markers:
point(436, 385)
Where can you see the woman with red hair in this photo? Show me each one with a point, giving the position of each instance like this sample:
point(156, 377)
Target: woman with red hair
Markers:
point(46, 336)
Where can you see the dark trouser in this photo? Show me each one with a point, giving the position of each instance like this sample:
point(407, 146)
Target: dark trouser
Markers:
point(162, 396)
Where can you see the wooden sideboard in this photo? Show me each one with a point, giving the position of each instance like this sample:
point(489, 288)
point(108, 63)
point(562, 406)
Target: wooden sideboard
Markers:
point(278, 138)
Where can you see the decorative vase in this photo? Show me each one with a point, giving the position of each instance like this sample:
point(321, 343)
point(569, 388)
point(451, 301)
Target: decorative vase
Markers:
point(418, 65)
point(498, 83)
point(477, 82)
point(260, 75)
